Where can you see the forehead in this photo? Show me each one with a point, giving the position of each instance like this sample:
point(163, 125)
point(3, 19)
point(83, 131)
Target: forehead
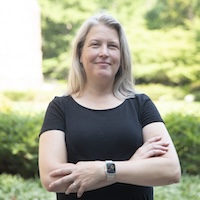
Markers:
point(100, 31)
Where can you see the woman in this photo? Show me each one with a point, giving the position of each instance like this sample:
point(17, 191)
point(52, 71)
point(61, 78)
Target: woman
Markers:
point(102, 140)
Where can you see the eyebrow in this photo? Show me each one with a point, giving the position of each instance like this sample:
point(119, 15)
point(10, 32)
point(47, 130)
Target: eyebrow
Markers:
point(110, 41)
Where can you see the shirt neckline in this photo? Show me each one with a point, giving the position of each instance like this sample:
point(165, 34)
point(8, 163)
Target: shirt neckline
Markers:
point(93, 109)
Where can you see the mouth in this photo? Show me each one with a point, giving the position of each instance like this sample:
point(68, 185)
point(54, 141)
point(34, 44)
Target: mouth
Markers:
point(103, 63)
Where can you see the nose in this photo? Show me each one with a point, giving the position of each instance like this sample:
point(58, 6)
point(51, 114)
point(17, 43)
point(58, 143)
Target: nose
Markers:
point(104, 51)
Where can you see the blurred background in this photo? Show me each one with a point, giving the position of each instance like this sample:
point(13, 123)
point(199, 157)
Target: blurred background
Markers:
point(35, 56)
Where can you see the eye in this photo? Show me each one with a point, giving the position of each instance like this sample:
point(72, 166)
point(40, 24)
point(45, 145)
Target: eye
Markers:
point(94, 44)
point(113, 46)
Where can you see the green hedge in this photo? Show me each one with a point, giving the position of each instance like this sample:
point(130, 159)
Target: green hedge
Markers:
point(19, 141)
point(17, 188)
point(185, 132)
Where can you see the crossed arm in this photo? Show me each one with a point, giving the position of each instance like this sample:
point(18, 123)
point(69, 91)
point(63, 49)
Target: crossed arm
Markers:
point(154, 163)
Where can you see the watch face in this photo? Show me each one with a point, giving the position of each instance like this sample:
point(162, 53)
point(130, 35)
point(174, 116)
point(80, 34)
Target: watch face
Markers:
point(110, 168)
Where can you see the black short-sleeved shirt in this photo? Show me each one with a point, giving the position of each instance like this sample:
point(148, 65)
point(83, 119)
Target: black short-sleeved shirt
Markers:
point(110, 134)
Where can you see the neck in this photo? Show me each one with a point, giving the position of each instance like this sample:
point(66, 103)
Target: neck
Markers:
point(98, 90)
point(97, 97)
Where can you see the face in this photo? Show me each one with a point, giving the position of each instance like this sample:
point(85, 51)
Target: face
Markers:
point(100, 55)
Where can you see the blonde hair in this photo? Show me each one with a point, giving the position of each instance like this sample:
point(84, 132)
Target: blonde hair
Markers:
point(123, 85)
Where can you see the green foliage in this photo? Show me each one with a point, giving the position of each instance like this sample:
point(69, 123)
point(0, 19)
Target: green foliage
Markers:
point(194, 88)
point(172, 13)
point(19, 128)
point(19, 95)
point(166, 57)
point(19, 142)
point(161, 92)
point(185, 132)
point(15, 187)
point(169, 56)
point(60, 20)
point(181, 191)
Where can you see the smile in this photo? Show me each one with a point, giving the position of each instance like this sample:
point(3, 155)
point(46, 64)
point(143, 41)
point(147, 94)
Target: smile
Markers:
point(103, 63)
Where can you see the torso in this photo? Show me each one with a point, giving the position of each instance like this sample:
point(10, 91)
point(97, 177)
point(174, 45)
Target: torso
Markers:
point(111, 131)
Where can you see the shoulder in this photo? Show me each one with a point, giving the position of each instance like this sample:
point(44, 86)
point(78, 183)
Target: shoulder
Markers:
point(144, 102)
point(140, 98)
point(60, 99)
point(59, 102)
point(146, 109)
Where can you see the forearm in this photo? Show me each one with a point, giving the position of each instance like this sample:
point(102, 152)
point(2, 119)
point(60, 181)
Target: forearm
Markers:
point(84, 176)
point(91, 175)
point(155, 171)
point(47, 179)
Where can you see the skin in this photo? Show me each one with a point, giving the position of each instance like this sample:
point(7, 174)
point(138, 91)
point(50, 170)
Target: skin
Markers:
point(101, 55)
point(154, 163)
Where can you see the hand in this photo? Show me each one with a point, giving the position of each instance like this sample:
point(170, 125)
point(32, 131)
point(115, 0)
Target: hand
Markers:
point(152, 148)
point(80, 178)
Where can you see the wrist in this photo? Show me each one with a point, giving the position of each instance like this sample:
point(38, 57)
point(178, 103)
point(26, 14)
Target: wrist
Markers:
point(110, 170)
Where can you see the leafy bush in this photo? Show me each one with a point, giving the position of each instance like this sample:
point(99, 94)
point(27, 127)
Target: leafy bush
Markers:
point(171, 13)
point(161, 92)
point(195, 90)
point(17, 188)
point(185, 132)
point(181, 191)
point(19, 142)
point(168, 57)
point(19, 95)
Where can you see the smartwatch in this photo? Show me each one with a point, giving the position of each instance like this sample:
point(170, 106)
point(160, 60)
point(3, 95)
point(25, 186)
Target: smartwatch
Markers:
point(110, 170)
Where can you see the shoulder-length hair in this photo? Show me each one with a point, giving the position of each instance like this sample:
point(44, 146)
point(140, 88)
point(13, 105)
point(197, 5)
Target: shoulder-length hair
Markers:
point(123, 85)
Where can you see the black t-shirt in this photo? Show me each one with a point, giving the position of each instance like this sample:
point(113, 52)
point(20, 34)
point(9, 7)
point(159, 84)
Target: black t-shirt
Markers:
point(110, 134)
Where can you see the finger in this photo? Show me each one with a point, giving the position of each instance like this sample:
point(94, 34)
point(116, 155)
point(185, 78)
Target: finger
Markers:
point(155, 153)
point(154, 147)
point(164, 144)
point(61, 172)
point(80, 192)
point(61, 181)
point(154, 139)
point(157, 147)
point(160, 145)
point(72, 188)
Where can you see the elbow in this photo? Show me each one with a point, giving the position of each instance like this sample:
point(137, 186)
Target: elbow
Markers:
point(175, 174)
point(46, 186)
point(176, 177)
point(45, 183)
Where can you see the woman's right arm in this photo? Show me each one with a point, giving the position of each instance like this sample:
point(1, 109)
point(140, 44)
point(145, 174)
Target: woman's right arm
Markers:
point(52, 156)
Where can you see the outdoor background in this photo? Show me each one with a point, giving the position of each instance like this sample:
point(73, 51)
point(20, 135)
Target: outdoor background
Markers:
point(164, 38)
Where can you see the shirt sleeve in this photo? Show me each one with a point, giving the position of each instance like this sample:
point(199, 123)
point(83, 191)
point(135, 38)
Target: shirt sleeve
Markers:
point(148, 111)
point(54, 118)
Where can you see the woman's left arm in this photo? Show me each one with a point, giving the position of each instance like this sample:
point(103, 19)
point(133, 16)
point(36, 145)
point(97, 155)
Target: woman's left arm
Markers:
point(155, 170)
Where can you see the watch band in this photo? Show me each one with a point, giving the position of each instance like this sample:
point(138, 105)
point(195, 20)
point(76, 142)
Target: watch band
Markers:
point(110, 170)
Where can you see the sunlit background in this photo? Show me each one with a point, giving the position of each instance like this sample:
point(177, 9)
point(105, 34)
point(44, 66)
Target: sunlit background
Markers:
point(35, 56)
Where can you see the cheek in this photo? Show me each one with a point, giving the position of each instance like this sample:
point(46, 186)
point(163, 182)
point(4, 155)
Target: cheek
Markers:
point(118, 60)
point(84, 54)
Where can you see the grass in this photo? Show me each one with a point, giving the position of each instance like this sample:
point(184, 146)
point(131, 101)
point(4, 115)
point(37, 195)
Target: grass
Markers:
point(17, 188)
point(187, 189)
